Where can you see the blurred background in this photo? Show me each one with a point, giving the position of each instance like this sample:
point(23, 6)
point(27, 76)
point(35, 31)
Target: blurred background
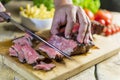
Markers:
point(112, 5)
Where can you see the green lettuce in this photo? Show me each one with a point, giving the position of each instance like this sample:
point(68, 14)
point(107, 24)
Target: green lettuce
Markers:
point(92, 5)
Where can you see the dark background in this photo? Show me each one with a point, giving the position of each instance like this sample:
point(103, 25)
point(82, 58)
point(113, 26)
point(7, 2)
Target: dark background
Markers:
point(112, 5)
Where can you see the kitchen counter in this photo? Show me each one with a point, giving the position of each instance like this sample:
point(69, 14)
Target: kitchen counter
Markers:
point(106, 70)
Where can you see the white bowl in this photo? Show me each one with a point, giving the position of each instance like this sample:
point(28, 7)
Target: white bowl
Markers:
point(36, 24)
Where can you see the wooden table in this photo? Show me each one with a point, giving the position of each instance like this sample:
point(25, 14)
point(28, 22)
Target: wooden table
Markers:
point(106, 70)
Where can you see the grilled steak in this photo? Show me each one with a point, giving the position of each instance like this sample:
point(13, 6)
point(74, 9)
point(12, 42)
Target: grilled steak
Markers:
point(23, 40)
point(68, 46)
point(96, 27)
point(31, 56)
point(22, 49)
point(13, 52)
point(44, 66)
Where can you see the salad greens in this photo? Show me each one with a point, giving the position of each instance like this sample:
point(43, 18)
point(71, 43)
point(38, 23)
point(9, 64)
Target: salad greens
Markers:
point(92, 5)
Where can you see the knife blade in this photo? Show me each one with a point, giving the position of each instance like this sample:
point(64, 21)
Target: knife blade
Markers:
point(7, 18)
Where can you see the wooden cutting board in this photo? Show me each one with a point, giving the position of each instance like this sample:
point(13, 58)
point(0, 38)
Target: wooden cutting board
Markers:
point(108, 46)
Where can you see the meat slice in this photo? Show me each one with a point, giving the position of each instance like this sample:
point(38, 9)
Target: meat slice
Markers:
point(50, 51)
point(24, 40)
point(96, 27)
point(20, 53)
point(44, 66)
point(13, 52)
point(61, 43)
point(31, 55)
point(68, 46)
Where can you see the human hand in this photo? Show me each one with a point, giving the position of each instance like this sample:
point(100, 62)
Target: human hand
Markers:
point(68, 15)
point(2, 9)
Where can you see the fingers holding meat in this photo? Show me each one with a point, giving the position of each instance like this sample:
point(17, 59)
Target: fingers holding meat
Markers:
point(84, 32)
point(58, 20)
point(71, 20)
point(67, 16)
point(2, 9)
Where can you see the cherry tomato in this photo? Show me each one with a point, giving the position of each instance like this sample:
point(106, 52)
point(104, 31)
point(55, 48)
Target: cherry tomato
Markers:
point(89, 14)
point(101, 21)
point(117, 28)
point(108, 22)
point(107, 31)
point(105, 15)
point(113, 29)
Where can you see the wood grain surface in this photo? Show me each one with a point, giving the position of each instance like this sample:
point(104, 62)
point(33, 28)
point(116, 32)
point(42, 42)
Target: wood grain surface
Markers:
point(108, 46)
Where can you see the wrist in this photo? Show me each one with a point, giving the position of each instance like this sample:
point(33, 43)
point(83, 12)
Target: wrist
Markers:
point(59, 3)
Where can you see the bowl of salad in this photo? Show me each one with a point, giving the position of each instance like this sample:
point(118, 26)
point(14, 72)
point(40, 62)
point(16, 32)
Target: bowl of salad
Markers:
point(36, 18)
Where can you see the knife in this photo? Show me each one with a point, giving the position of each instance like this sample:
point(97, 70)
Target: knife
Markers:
point(7, 18)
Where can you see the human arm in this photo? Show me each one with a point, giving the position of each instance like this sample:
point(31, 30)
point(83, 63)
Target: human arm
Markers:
point(2, 9)
point(67, 14)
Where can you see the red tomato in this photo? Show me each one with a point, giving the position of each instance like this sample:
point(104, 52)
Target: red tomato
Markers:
point(107, 31)
point(108, 22)
point(117, 28)
point(104, 15)
point(113, 29)
point(89, 14)
point(101, 21)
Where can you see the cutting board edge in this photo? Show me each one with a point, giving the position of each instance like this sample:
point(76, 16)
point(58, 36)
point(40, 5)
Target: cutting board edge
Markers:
point(7, 62)
point(84, 67)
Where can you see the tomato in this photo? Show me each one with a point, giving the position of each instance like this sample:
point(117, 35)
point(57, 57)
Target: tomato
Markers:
point(117, 28)
point(108, 22)
point(107, 31)
point(113, 29)
point(101, 21)
point(104, 15)
point(89, 14)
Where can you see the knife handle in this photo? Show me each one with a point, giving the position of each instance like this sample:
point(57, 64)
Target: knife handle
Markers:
point(5, 16)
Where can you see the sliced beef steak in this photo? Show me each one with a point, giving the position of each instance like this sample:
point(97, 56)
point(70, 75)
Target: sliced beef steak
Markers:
point(44, 66)
point(68, 46)
point(31, 55)
point(96, 27)
point(59, 42)
point(20, 53)
point(50, 51)
point(13, 52)
point(23, 49)
point(24, 40)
